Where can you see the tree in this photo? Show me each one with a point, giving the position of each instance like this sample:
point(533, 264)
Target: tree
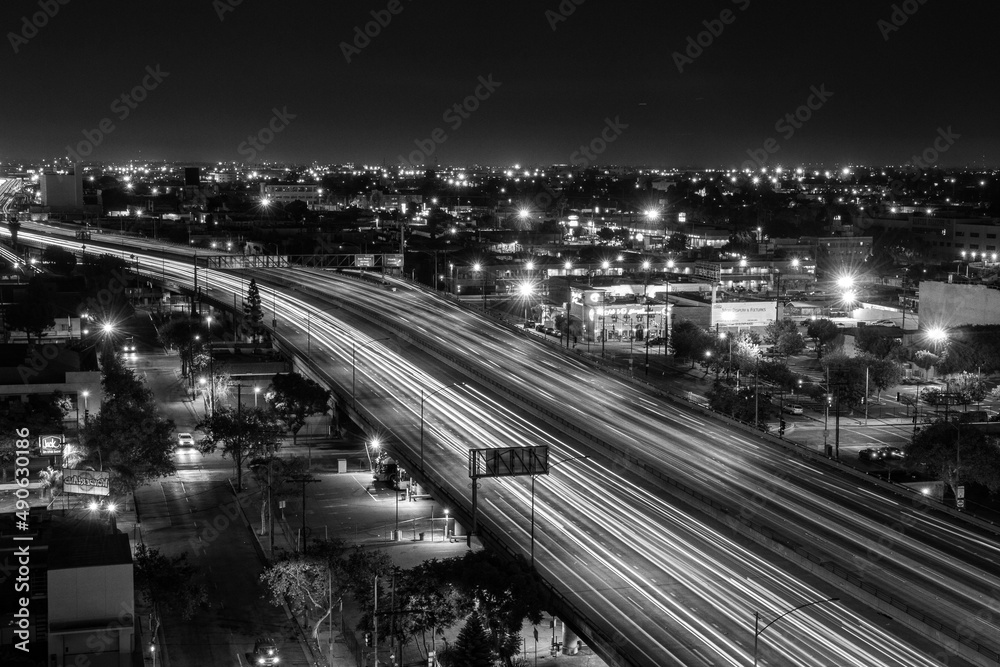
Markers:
point(882, 373)
point(743, 405)
point(51, 479)
point(304, 583)
point(823, 332)
point(677, 242)
point(167, 584)
point(132, 441)
point(243, 435)
point(278, 472)
point(33, 313)
point(187, 335)
point(472, 648)
point(294, 398)
point(690, 341)
point(785, 337)
point(936, 446)
point(967, 388)
point(253, 313)
point(872, 341)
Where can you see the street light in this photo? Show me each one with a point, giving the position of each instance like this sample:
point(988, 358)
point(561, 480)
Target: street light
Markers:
point(756, 622)
point(645, 297)
point(479, 268)
point(354, 366)
point(551, 466)
point(423, 398)
point(526, 290)
point(256, 392)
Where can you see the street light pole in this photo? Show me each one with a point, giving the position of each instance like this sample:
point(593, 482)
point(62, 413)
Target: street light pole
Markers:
point(756, 622)
point(422, 399)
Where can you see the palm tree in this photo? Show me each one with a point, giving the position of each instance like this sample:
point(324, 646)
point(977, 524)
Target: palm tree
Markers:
point(51, 479)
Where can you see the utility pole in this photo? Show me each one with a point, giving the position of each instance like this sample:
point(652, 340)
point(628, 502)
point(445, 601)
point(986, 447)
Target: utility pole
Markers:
point(303, 479)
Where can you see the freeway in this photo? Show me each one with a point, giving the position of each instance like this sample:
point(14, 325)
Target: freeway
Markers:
point(644, 561)
point(922, 559)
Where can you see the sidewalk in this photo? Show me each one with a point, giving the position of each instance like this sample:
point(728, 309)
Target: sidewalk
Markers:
point(350, 507)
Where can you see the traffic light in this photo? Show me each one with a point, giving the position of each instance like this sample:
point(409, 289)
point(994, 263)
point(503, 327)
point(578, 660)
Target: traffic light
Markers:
point(897, 397)
point(829, 399)
point(368, 639)
point(781, 427)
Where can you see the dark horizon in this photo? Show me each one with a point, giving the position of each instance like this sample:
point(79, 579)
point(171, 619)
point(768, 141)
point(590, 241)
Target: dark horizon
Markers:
point(877, 83)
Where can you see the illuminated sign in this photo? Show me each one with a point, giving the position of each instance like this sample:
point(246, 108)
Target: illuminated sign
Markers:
point(393, 260)
point(50, 445)
point(744, 313)
point(364, 260)
point(88, 482)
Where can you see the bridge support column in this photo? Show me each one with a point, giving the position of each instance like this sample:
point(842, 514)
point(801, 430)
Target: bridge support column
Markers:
point(570, 641)
point(458, 530)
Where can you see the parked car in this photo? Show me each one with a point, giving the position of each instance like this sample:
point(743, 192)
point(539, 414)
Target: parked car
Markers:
point(185, 440)
point(529, 325)
point(659, 340)
point(265, 652)
point(540, 328)
point(884, 323)
point(794, 409)
point(549, 331)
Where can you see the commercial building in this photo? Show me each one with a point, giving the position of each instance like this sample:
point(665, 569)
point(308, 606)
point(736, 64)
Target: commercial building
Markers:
point(80, 593)
point(946, 305)
point(61, 191)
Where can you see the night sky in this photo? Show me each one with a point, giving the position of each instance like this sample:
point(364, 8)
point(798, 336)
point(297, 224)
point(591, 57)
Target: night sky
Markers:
point(891, 89)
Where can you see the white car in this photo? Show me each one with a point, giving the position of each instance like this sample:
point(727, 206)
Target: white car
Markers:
point(794, 409)
point(185, 440)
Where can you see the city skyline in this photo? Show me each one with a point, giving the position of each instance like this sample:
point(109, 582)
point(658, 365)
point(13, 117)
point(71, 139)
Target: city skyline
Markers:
point(726, 84)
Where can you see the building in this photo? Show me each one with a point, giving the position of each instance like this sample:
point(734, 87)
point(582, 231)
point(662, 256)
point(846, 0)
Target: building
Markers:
point(281, 194)
point(80, 595)
point(94, 619)
point(61, 191)
point(947, 305)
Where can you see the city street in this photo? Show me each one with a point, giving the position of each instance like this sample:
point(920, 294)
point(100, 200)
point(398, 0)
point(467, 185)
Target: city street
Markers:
point(195, 513)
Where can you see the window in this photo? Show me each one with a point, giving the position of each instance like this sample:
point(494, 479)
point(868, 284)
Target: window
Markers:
point(991, 236)
point(959, 233)
point(974, 235)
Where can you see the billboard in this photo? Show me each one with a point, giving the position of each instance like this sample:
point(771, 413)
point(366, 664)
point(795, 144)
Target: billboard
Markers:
point(89, 482)
point(364, 260)
point(744, 313)
point(50, 445)
point(508, 461)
